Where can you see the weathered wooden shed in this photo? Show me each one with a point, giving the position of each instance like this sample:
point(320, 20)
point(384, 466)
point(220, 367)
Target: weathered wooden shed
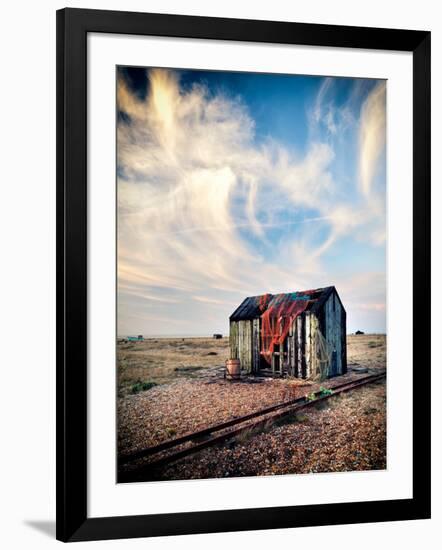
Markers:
point(302, 334)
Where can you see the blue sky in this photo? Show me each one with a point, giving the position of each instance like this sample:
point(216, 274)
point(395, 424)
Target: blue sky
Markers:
point(237, 184)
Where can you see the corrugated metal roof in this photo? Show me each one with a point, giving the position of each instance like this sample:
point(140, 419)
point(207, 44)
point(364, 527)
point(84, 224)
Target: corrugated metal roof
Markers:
point(254, 306)
point(249, 309)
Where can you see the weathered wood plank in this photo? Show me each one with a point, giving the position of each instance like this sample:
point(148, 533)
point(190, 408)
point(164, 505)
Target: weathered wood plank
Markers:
point(314, 364)
point(249, 346)
point(241, 342)
point(233, 337)
point(330, 328)
point(291, 349)
point(255, 345)
point(307, 345)
point(289, 355)
point(338, 335)
point(344, 340)
point(245, 344)
point(334, 361)
point(293, 362)
point(300, 329)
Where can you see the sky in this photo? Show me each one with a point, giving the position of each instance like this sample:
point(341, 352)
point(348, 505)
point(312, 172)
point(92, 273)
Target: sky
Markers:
point(237, 184)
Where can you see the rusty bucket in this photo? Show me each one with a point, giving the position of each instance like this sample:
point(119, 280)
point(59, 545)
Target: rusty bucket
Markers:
point(233, 369)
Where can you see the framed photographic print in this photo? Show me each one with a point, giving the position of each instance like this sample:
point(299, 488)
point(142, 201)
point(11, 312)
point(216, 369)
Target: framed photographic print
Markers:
point(243, 274)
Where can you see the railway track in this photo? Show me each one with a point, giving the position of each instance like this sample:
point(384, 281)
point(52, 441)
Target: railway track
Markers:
point(180, 447)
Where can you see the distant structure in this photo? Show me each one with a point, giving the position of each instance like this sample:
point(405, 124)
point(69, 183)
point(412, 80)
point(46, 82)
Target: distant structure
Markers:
point(358, 332)
point(302, 334)
point(138, 338)
point(217, 336)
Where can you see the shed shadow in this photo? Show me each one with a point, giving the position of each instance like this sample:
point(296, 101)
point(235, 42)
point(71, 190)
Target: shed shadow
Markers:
point(47, 527)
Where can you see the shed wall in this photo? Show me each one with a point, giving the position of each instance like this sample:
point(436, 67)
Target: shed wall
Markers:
point(335, 334)
point(241, 343)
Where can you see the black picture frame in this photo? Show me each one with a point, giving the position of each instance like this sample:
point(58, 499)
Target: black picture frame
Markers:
point(73, 25)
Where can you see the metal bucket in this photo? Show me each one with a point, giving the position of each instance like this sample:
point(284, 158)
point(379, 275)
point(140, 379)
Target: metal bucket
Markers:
point(233, 369)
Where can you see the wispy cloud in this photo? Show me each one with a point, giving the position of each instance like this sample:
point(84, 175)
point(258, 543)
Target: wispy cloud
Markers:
point(250, 225)
point(326, 114)
point(372, 136)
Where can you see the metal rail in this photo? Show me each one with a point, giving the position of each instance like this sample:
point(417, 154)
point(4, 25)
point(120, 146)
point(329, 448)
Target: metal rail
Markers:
point(210, 436)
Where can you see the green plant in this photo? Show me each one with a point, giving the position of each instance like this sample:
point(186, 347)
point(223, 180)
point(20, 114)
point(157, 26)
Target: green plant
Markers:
point(311, 397)
point(301, 418)
point(142, 386)
point(373, 344)
point(245, 435)
point(325, 391)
